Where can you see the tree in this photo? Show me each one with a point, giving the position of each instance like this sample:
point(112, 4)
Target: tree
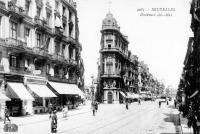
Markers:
point(167, 91)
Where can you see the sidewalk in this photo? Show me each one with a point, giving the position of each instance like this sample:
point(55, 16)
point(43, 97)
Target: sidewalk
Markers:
point(184, 127)
point(32, 119)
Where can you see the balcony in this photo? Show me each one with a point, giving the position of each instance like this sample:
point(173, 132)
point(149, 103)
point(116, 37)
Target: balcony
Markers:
point(70, 3)
point(105, 27)
point(71, 39)
point(72, 61)
point(112, 75)
point(28, 19)
point(15, 11)
point(58, 32)
point(58, 57)
point(15, 43)
point(24, 71)
point(41, 24)
point(114, 49)
point(40, 51)
point(56, 78)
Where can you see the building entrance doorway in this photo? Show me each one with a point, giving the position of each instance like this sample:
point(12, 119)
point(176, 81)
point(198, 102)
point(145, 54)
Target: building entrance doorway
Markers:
point(110, 97)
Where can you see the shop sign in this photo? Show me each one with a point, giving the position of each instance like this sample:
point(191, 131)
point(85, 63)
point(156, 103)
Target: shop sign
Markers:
point(37, 72)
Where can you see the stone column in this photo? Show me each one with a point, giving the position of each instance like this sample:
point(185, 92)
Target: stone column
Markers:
point(114, 97)
point(113, 44)
point(105, 71)
point(66, 52)
point(105, 97)
point(104, 39)
point(43, 102)
point(60, 53)
point(74, 54)
point(114, 61)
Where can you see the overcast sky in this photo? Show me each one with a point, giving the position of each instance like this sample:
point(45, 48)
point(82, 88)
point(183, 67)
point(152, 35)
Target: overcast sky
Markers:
point(159, 41)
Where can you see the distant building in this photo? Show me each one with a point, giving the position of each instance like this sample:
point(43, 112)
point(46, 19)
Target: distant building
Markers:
point(118, 69)
point(39, 51)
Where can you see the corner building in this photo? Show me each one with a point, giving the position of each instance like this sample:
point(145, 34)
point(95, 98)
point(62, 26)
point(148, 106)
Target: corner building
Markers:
point(113, 61)
point(40, 60)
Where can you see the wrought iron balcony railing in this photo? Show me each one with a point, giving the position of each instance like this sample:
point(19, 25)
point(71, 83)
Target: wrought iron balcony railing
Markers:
point(25, 71)
point(15, 10)
point(11, 42)
point(57, 78)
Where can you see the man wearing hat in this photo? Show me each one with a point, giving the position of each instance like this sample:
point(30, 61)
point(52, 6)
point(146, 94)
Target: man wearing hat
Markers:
point(54, 122)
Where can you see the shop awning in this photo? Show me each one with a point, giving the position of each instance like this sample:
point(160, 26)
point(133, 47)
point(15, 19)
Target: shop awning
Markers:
point(64, 88)
point(75, 87)
point(129, 95)
point(4, 97)
point(122, 94)
point(41, 90)
point(18, 90)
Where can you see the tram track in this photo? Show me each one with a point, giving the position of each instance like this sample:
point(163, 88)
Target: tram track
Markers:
point(144, 109)
point(118, 121)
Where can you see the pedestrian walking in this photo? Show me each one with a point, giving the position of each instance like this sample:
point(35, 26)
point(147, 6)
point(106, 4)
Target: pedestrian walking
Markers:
point(50, 109)
point(139, 101)
point(93, 108)
point(159, 104)
point(6, 115)
point(54, 122)
point(127, 105)
point(65, 111)
point(167, 102)
point(175, 103)
point(96, 106)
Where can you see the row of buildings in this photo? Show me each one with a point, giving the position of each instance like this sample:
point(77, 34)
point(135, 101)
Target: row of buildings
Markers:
point(120, 73)
point(188, 90)
point(40, 55)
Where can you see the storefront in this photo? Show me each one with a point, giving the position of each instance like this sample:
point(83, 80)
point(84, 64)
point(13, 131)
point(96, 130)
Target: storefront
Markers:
point(21, 99)
point(68, 94)
point(37, 86)
point(3, 100)
point(42, 95)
